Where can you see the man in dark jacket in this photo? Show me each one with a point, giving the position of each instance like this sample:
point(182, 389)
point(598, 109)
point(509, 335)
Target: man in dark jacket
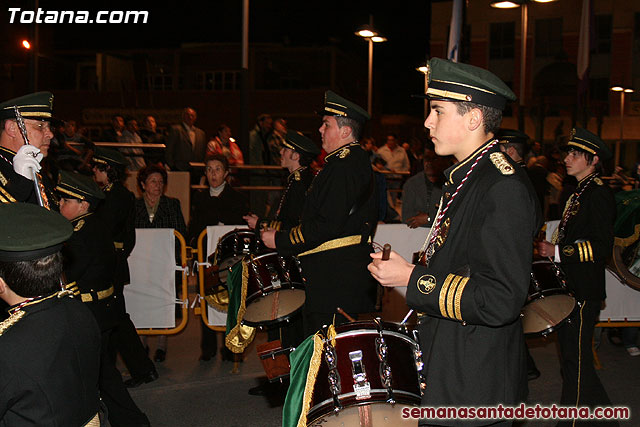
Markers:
point(50, 344)
point(473, 274)
point(117, 211)
point(581, 244)
point(90, 261)
point(338, 220)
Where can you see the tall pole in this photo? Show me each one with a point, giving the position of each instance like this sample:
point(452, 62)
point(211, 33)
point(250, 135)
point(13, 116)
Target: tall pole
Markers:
point(244, 82)
point(370, 88)
point(524, 20)
point(619, 143)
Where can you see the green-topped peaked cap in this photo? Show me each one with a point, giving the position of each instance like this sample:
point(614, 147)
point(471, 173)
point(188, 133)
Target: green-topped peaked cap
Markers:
point(72, 185)
point(298, 142)
point(511, 136)
point(453, 81)
point(335, 105)
point(108, 156)
point(34, 106)
point(583, 140)
point(29, 232)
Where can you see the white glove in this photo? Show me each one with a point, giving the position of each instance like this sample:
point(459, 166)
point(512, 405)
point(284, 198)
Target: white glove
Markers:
point(27, 160)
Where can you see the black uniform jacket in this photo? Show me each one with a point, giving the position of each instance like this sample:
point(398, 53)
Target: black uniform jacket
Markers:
point(49, 363)
point(332, 237)
point(228, 208)
point(588, 239)
point(117, 211)
point(89, 267)
point(469, 297)
point(292, 202)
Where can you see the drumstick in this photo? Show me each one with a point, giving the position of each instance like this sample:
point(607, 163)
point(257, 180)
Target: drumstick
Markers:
point(406, 317)
point(345, 314)
point(386, 252)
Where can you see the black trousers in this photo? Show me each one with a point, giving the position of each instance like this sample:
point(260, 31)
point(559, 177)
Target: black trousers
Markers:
point(580, 383)
point(125, 340)
point(290, 333)
point(122, 410)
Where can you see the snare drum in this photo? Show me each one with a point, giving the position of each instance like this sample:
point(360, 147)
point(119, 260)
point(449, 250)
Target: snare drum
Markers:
point(374, 370)
point(232, 247)
point(275, 290)
point(549, 303)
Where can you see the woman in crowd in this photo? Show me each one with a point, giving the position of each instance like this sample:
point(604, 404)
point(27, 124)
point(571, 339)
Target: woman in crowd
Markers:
point(219, 203)
point(155, 210)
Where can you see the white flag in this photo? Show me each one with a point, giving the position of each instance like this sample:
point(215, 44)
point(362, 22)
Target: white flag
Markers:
point(453, 51)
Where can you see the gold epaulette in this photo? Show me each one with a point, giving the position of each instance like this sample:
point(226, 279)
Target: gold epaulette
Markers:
point(11, 320)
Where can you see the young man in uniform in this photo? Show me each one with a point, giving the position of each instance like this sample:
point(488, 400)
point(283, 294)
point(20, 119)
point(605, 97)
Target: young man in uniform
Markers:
point(90, 261)
point(473, 274)
point(117, 211)
point(338, 220)
point(581, 244)
point(50, 344)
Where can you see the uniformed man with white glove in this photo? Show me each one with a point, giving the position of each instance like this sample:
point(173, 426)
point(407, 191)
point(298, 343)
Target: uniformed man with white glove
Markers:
point(19, 163)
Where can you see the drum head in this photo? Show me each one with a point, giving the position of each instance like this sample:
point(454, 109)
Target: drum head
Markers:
point(543, 315)
point(378, 414)
point(260, 312)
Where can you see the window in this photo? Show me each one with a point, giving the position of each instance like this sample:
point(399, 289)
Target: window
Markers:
point(502, 40)
point(603, 34)
point(161, 82)
point(219, 80)
point(548, 37)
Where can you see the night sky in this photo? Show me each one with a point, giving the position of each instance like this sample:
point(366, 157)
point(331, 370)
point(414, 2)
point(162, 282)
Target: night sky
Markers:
point(295, 23)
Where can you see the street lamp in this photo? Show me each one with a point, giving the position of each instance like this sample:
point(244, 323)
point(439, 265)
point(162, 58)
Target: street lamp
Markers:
point(622, 91)
point(371, 36)
point(524, 28)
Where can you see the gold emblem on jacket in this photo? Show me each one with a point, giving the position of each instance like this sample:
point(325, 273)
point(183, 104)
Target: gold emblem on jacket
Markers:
point(426, 284)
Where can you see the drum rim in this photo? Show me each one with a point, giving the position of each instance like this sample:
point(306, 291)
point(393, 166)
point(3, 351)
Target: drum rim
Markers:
point(553, 328)
point(273, 322)
point(359, 332)
point(380, 392)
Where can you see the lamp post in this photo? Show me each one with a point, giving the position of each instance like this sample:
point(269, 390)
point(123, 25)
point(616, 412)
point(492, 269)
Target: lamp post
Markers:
point(622, 91)
point(524, 29)
point(371, 36)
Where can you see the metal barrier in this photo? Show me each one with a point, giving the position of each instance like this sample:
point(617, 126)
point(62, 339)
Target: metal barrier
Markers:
point(185, 295)
point(202, 308)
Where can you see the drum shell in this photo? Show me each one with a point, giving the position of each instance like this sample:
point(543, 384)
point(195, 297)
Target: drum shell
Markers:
point(269, 274)
point(549, 304)
point(362, 336)
point(233, 246)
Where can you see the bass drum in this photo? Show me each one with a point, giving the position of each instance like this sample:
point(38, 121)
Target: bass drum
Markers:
point(372, 364)
point(549, 304)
